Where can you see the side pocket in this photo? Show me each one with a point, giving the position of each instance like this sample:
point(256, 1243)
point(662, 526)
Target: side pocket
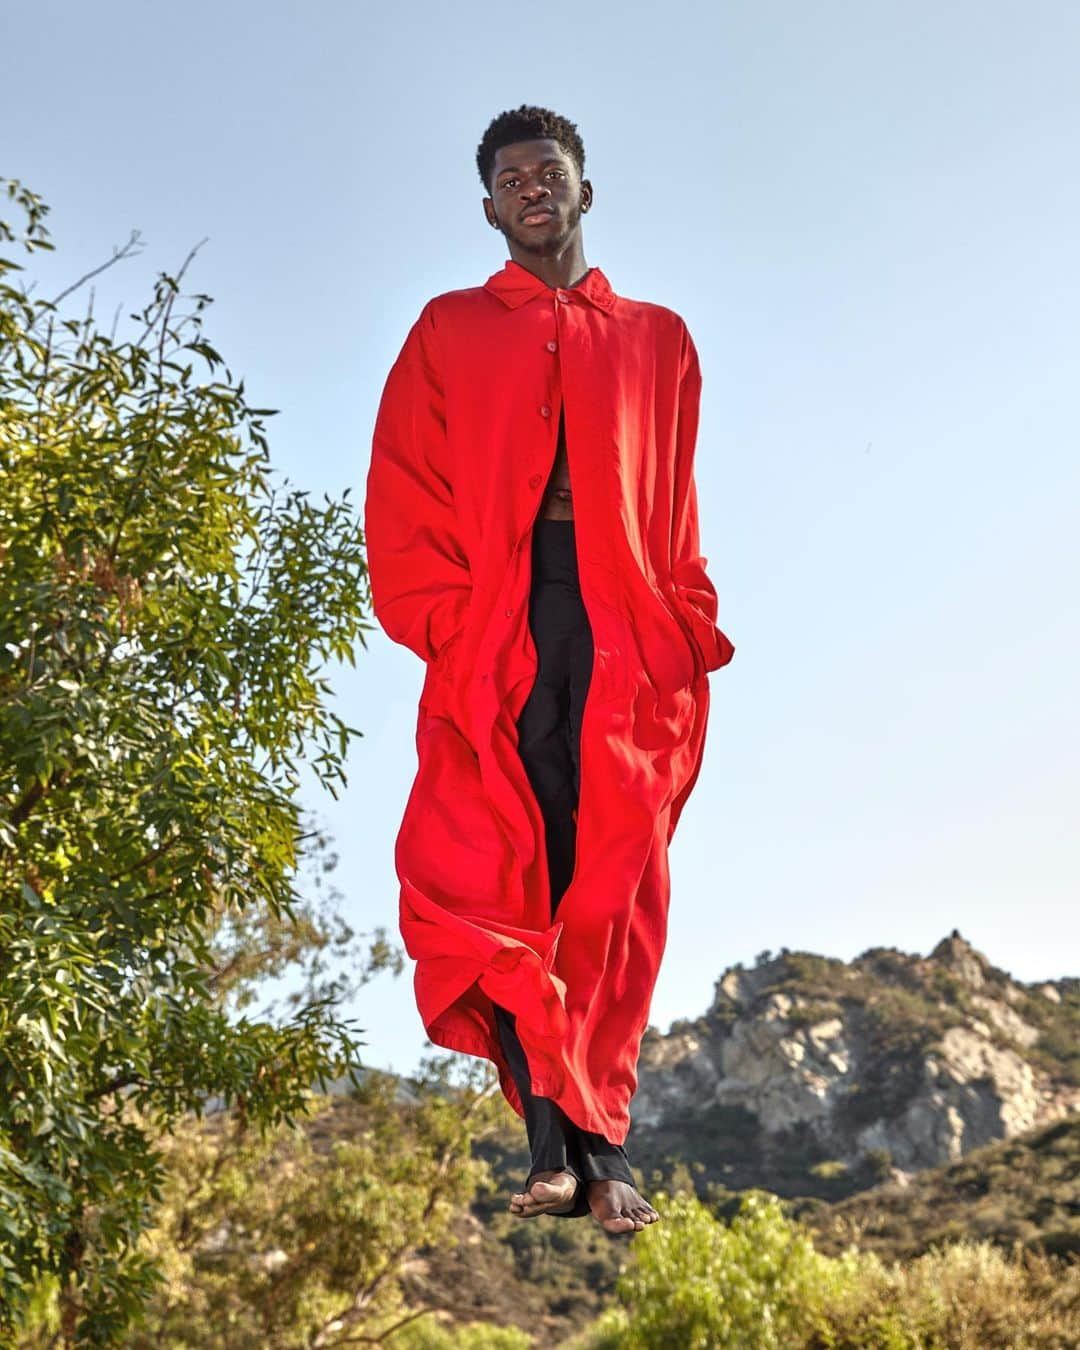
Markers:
point(674, 655)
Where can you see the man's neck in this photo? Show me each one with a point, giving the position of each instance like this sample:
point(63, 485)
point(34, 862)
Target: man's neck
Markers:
point(559, 271)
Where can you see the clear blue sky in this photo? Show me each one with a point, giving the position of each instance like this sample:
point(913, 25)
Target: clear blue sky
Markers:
point(867, 214)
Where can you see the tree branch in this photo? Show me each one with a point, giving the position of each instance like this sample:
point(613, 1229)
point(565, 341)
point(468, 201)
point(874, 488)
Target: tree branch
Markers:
point(33, 795)
point(378, 1340)
point(118, 253)
point(114, 1085)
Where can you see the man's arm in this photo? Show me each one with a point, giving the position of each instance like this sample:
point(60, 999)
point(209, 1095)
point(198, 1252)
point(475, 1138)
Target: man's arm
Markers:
point(417, 567)
point(694, 592)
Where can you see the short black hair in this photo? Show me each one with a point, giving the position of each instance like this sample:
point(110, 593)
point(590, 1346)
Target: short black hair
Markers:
point(527, 123)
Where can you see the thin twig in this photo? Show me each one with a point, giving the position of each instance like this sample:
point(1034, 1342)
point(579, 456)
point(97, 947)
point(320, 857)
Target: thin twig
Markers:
point(166, 305)
point(118, 253)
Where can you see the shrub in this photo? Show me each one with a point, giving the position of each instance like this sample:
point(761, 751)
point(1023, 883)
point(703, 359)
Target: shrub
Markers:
point(759, 1284)
point(698, 1284)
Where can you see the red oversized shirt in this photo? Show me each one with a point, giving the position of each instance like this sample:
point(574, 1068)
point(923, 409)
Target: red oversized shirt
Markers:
point(464, 443)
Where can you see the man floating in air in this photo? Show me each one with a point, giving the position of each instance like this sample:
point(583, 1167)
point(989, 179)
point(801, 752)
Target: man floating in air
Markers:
point(532, 534)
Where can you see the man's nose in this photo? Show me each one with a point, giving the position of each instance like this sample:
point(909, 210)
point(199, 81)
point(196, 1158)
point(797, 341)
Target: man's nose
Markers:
point(537, 190)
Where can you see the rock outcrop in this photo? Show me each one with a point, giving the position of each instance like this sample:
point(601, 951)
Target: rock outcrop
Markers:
point(812, 1069)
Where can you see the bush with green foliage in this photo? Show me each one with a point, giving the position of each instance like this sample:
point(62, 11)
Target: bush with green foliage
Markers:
point(696, 1283)
point(430, 1335)
point(702, 1285)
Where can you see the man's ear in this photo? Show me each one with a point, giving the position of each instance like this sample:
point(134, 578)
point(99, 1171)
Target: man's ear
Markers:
point(489, 212)
point(586, 194)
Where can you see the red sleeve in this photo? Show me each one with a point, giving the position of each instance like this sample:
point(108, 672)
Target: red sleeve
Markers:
point(694, 592)
point(418, 569)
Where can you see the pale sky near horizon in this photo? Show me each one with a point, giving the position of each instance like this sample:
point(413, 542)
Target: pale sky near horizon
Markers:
point(867, 214)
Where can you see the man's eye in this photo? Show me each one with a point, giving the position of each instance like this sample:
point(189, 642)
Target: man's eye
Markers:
point(509, 182)
point(557, 172)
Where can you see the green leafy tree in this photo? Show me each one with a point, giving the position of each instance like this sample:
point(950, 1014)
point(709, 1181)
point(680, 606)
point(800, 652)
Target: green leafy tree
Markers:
point(168, 609)
point(300, 1235)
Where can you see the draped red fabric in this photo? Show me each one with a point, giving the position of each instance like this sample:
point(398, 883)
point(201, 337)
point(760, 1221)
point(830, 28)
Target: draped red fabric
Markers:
point(464, 442)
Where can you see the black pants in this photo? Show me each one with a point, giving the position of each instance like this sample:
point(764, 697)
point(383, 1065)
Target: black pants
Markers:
point(549, 741)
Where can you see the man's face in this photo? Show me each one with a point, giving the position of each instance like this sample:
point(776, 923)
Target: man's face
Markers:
point(537, 196)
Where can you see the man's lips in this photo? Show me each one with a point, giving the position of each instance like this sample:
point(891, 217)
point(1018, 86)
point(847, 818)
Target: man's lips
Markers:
point(537, 215)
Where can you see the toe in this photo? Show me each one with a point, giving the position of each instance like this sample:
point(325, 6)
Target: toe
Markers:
point(524, 1204)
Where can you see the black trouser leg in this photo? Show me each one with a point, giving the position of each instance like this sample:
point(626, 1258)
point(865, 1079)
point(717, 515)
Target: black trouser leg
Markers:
point(549, 741)
point(552, 1145)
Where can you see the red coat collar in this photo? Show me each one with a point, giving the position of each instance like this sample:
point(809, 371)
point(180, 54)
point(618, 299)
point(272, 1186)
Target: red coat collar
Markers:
point(515, 284)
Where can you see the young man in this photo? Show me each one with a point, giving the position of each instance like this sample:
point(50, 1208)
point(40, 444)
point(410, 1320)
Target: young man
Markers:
point(532, 534)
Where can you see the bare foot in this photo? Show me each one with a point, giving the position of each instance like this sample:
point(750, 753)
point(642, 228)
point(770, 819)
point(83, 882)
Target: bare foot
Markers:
point(619, 1207)
point(547, 1193)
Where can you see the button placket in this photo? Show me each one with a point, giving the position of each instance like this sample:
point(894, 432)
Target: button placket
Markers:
point(553, 346)
point(545, 409)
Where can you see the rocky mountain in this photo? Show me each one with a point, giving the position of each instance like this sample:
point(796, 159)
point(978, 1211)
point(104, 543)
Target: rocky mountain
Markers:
point(818, 1077)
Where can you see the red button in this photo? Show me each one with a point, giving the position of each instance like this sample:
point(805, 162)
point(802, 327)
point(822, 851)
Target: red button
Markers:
point(535, 480)
point(545, 411)
point(552, 346)
point(563, 297)
point(508, 612)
